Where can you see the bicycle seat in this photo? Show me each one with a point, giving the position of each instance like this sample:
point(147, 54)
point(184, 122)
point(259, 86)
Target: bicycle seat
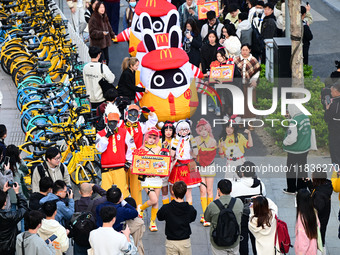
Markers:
point(42, 70)
point(35, 51)
point(47, 144)
point(49, 85)
point(27, 37)
point(26, 29)
point(43, 64)
point(52, 135)
point(39, 153)
point(5, 27)
point(42, 90)
point(42, 126)
point(31, 46)
point(21, 34)
point(51, 112)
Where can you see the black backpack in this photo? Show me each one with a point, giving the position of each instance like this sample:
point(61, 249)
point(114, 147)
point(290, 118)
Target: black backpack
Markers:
point(257, 42)
point(43, 169)
point(227, 229)
point(82, 223)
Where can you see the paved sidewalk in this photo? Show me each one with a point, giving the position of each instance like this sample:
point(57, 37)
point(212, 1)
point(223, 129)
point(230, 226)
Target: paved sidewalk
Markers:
point(335, 4)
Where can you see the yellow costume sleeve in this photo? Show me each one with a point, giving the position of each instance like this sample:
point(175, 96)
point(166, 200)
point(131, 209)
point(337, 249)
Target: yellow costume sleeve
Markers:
point(242, 142)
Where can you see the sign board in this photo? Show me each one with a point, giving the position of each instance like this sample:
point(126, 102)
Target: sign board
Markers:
point(205, 6)
point(149, 164)
point(224, 73)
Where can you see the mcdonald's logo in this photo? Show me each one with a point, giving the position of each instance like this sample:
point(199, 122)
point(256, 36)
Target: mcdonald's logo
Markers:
point(165, 53)
point(162, 38)
point(149, 3)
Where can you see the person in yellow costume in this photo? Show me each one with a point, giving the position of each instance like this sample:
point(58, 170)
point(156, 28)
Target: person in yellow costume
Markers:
point(233, 148)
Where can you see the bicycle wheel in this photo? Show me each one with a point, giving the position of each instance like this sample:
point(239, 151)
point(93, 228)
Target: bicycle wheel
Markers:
point(96, 170)
point(84, 174)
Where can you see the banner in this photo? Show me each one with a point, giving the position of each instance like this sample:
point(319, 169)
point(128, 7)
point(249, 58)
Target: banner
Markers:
point(148, 164)
point(205, 6)
point(224, 73)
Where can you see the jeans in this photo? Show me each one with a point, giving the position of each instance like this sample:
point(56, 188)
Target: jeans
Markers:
point(80, 250)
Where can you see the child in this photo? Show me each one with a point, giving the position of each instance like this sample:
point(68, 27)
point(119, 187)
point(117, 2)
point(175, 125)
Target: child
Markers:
point(233, 147)
point(178, 215)
point(151, 184)
point(168, 132)
point(321, 189)
point(206, 145)
point(183, 148)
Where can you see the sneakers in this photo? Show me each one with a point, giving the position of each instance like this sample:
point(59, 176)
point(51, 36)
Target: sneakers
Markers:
point(217, 111)
point(153, 226)
point(206, 224)
point(140, 211)
point(288, 192)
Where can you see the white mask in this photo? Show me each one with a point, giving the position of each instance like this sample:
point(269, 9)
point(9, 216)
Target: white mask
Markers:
point(259, 11)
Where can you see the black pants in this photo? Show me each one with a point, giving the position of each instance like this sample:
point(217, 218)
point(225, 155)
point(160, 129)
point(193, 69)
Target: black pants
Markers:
point(105, 55)
point(112, 11)
point(244, 249)
point(334, 149)
point(293, 183)
point(305, 52)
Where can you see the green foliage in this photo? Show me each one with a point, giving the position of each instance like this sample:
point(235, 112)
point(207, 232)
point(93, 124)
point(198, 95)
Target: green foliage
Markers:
point(314, 106)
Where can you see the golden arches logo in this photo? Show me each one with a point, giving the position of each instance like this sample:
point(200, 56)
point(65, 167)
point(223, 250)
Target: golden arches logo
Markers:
point(149, 3)
point(162, 38)
point(165, 53)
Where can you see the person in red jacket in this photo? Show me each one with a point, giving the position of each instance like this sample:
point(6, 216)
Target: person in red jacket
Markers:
point(116, 146)
point(136, 129)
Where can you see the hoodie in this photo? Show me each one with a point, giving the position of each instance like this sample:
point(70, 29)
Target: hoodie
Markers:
point(53, 227)
point(264, 236)
point(33, 244)
point(178, 217)
point(244, 32)
point(64, 213)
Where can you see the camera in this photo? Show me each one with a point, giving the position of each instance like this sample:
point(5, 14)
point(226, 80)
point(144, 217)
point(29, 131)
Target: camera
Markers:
point(248, 200)
point(187, 32)
point(12, 184)
point(68, 191)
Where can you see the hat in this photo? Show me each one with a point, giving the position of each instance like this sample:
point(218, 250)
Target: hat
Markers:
point(155, 8)
point(111, 113)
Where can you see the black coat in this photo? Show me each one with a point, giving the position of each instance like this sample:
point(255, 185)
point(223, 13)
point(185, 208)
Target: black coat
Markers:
point(208, 55)
point(269, 29)
point(8, 226)
point(193, 49)
point(178, 217)
point(127, 85)
point(34, 201)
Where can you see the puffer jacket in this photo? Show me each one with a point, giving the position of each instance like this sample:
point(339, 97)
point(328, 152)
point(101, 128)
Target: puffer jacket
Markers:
point(97, 25)
point(8, 225)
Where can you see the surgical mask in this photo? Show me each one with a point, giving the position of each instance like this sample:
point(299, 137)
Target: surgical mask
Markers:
point(112, 124)
point(259, 11)
point(132, 116)
point(133, 4)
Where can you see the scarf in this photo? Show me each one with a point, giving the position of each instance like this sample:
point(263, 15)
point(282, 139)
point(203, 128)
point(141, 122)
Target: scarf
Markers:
point(248, 67)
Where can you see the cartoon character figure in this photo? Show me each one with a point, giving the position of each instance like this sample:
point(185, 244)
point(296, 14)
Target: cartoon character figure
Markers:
point(158, 10)
point(167, 74)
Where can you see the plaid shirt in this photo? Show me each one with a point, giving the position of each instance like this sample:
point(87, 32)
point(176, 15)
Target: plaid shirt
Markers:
point(248, 67)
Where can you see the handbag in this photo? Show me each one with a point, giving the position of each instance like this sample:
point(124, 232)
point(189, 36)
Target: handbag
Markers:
point(103, 83)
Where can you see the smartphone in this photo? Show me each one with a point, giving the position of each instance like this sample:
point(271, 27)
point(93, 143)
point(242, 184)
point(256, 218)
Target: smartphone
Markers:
point(328, 99)
point(124, 225)
point(6, 161)
point(51, 238)
point(248, 200)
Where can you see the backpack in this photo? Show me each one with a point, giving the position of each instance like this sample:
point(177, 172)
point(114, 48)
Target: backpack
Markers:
point(43, 169)
point(257, 42)
point(82, 223)
point(227, 229)
point(282, 236)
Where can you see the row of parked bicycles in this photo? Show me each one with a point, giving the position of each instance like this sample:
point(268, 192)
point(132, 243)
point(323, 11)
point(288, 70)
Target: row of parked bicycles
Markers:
point(37, 52)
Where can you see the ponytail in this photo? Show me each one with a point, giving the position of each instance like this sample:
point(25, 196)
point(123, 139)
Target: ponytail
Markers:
point(129, 61)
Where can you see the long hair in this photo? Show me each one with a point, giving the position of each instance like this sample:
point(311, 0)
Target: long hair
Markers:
point(13, 153)
point(193, 25)
point(96, 8)
point(168, 125)
point(215, 34)
point(128, 61)
point(262, 211)
point(305, 210)
point(231, 30)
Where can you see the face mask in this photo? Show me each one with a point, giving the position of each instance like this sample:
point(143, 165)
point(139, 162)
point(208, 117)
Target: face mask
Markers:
point(259, 11)
point(112, 124)
point(132, 115)
point(133, 4)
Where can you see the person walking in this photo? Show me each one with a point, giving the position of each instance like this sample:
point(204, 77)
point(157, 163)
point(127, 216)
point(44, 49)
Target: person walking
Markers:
point(101, 31)
point(297, 143)
point(212, 212)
